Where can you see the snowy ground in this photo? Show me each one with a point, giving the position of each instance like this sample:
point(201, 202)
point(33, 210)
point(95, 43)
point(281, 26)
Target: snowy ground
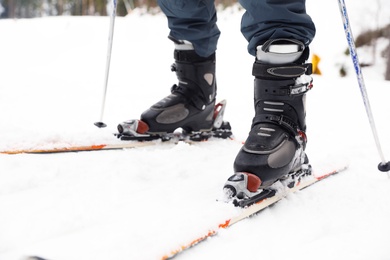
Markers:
point(141, 203)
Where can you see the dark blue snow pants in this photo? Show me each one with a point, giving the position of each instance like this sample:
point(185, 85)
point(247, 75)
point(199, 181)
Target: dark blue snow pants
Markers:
point(195, 21)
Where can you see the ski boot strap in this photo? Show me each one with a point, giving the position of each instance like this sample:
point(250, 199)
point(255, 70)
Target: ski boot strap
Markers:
point(291, 89)
point(284, 121)
point(272, 71)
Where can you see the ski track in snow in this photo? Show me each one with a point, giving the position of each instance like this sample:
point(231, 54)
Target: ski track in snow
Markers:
point(141, 203)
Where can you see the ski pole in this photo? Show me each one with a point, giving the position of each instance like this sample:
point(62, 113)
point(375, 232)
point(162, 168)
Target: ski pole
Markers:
point(109, 49)
point(383, 165)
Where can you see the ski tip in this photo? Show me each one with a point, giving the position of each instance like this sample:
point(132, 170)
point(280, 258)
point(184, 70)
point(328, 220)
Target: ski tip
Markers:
point(100, 124)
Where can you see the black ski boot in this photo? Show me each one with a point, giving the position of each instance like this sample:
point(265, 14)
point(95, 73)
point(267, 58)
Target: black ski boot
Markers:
point(190, 105)
point(276, 143)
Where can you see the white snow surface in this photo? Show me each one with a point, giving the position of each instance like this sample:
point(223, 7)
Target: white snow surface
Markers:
point(141, 203)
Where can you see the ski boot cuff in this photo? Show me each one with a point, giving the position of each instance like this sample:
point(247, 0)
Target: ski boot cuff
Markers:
point(281, 51)
point(185, 52)
point(281, 59)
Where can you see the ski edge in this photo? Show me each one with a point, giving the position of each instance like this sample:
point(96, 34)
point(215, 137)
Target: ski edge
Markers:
point(253, 209)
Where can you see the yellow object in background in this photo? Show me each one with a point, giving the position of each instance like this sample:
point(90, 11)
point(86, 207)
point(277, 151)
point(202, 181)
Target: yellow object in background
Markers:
point(315, 60)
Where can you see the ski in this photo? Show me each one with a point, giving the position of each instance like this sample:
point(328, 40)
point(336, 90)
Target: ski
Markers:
point(265, 199)
point(166, 140)
point(132, 134)
point(82, 148)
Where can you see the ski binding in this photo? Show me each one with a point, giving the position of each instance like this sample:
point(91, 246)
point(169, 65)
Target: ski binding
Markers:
point(136, 130)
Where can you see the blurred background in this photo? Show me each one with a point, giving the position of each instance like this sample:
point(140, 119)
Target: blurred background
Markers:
point(367, 38)
point(38, 8)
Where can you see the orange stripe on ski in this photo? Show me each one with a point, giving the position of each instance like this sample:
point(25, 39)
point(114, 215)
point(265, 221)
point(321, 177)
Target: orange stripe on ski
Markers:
point(192, 243)
point(224, 225)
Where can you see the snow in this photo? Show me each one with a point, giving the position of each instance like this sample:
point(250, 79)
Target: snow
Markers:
point(141, 203)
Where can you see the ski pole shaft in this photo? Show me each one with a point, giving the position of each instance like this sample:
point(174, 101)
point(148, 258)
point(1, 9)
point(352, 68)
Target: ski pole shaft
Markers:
point(108, 61)
point(383, 165)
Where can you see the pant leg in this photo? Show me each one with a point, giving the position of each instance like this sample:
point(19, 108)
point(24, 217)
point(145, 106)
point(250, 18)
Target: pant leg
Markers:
point(194, 21)
point(273, 19)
